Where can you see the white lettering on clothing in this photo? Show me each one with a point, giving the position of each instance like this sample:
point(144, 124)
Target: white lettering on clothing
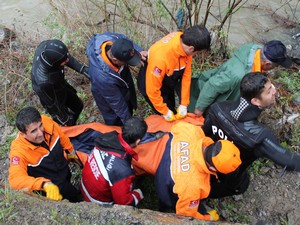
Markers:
point(184, 157)
point(94, 168)
point(110, 163)
point(220, 132)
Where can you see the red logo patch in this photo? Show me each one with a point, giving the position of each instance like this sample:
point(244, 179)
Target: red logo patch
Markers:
point(157, 71)
point(15, 160)
point(194, 203)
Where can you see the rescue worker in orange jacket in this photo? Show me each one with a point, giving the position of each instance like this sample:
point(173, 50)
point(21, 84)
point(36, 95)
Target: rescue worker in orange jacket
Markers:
point(182, 177)
point(37, 161)
point(169, 68)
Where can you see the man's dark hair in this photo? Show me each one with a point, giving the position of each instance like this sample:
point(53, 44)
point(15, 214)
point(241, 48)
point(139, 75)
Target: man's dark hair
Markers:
point(26, 117)
point(134, 129)
point(252, 85)
point(198, 37)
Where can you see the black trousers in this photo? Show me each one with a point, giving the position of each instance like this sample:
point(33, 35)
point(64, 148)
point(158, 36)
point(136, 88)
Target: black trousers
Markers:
point(167, 91)
point(64, 105)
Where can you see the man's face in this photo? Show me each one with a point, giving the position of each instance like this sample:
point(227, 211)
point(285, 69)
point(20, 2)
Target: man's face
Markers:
point(34, 133)
point(267, 97)
point(266, 66)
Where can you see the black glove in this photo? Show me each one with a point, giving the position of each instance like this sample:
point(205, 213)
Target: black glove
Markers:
point(65, 120)
point(84, 71)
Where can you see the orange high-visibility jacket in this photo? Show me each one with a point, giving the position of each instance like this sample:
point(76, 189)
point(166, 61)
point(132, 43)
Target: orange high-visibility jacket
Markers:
point(31, 165)
point(176, 160)
point(167, 58)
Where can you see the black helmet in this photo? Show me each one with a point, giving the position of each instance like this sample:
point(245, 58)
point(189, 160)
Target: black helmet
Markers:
point(55, 53)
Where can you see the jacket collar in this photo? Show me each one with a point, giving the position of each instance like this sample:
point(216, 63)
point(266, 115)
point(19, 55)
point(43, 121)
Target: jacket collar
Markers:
point(245, 111)
point(127, 147)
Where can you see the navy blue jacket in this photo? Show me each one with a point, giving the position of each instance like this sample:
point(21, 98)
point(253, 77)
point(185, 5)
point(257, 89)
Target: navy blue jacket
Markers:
point(114, 93)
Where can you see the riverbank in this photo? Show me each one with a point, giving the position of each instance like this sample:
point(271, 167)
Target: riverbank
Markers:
point(272, 198)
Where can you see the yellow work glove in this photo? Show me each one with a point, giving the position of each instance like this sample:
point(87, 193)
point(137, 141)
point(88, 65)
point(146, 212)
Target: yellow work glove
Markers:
point(214, 215)
point(169, 116)
point(181, 112)
point(52, 191)
point(72, 155)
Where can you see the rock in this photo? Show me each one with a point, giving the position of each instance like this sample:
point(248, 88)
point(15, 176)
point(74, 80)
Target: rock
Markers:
point(6, 35)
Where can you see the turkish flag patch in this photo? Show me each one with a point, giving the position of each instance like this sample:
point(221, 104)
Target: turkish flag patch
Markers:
point(157, 71)
point(15, 160)
point(194, 203)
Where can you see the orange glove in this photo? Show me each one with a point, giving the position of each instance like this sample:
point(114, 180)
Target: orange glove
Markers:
point(169, 116)
point(52, 191)
point(213, 215)
point(181, 112)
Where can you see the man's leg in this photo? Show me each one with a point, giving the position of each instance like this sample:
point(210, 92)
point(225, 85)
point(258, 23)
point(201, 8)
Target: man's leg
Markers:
point(71, 193)
point(73, 103)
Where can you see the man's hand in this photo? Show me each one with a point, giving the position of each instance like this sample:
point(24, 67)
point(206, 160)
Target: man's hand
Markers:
point(169, 116)
point(137, 195)
point(52, 191)
point(213, 215)
point(84, 71)
point(144, 55)
point(181, 112)
point(198, 112)
point(72, 155)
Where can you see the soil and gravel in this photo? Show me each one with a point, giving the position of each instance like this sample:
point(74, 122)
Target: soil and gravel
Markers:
point(273, 196)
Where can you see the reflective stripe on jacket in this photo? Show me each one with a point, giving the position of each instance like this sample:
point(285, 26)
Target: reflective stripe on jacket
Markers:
point(167, 63)
point(31, 165)
point(183, 178)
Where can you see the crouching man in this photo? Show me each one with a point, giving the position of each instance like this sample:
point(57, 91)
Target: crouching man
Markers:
point(183, 161)
point(108, 175)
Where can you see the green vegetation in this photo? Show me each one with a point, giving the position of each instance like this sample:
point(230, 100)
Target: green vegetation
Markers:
point(7, 209)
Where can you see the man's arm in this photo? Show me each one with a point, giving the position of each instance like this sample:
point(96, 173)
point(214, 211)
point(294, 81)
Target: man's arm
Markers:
point(279, 155)
point(78, 66)
point(155, 74)
point(18, 177)
point(216, 85)
point(188, 203)
point(64, 139)
point(186, 83)
point(124, 195)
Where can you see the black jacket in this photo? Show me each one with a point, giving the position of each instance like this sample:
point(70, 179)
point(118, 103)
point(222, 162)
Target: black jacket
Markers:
point(237, 121)
point(48, 81)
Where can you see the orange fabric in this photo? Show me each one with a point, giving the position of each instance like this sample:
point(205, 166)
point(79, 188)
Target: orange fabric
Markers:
point(22, 153)
point(82, 156)
point(228, 159)
point(146, 152)
point(188, 168)
point(158, 123)
point(150, 154)
point(104, 56)
point(73, 131)
point(257, 62)
point(165, 57)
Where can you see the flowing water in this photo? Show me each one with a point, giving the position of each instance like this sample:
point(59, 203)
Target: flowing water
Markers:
point(25, 15)
point(252, 22)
